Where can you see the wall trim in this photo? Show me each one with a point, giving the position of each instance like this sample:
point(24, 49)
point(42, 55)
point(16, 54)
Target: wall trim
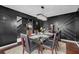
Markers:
point(65, 40)
point(70, 41)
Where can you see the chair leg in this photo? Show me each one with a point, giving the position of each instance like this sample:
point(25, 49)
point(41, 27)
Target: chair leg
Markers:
point(2, 52)
point(38, 50)
point(52, 50)
point(56, 50)
point(41, 49)
point(23, 50)
point(57, 46)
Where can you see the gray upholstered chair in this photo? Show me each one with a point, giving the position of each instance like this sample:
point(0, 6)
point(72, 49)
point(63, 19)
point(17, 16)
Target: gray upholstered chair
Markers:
point(27, 44)
point(51, 44)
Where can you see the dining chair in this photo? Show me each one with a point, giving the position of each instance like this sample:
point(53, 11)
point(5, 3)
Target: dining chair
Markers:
point(27, 44)
point(51, 44)
point(58, 37)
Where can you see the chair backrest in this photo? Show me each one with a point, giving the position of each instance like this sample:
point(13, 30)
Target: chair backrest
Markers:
point(59, 35)
point(55, 40)
point(25, 42)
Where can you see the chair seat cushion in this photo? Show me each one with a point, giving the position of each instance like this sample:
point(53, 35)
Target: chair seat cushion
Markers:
point(33, 46)
point(48, 44)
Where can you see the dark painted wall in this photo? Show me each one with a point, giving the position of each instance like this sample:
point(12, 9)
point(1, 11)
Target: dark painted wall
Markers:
point(25, 19)
point(68, 24)
point(8, 33)
point(8, 25)
point(77, 26)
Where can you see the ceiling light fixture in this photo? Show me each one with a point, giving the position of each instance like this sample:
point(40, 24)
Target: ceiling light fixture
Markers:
point(41, 15)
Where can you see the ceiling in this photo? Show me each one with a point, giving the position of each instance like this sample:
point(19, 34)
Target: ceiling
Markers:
point(50, 10)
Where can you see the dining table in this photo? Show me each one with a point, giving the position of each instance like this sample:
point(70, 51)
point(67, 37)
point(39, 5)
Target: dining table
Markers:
point(40, 36)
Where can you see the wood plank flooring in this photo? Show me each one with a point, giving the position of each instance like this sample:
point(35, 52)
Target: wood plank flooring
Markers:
point(71, 48)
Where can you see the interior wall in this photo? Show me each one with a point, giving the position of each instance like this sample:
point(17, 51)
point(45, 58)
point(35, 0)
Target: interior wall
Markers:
point(8, 28)
point(77, 26)
point(67, 24)
point(8, 25)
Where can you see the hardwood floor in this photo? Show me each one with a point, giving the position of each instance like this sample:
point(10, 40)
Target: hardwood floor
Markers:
point(72, 48)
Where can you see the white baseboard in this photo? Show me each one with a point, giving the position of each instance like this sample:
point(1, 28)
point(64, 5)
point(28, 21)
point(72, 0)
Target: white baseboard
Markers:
point(18, 40)
point(70, 41)
point(8, 45)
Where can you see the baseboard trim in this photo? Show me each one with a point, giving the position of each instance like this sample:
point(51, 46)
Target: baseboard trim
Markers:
point(7, 47)
point(75, 42)
point(70, 41)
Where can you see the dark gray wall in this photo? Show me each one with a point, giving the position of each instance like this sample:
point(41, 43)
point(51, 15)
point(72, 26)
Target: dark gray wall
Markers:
point(8, 28)
point(25, 19)
point(77, 26)
point(68, 25)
